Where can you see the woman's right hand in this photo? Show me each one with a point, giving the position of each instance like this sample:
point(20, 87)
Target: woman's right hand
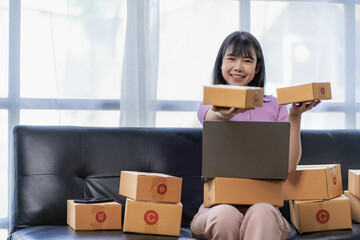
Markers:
point(223, 113)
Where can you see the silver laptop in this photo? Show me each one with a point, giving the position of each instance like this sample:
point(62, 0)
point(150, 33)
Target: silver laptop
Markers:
point(257, 150)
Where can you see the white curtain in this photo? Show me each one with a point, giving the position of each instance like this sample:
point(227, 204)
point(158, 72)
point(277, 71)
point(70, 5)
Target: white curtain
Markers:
point(140, 69)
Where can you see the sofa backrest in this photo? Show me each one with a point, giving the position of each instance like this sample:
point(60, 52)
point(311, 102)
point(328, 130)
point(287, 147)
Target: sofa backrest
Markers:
point(53, 164)
point(332, 146)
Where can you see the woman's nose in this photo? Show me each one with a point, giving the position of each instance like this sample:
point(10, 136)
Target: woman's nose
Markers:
point(238, 66)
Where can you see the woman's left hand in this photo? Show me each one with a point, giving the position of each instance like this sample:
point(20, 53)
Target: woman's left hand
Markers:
point(298, 108)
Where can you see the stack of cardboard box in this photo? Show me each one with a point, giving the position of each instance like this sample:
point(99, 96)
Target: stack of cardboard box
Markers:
point(153, 203)
point(229, 190)
point(316, 199)
point(353, 193)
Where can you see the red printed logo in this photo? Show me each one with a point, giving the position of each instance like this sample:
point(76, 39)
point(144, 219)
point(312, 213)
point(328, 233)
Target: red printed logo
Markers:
point(322, 216)
point(256, 98)
point(100, 217)
point(322, 90)
point(151, 217)
point(334, 180)
point(161, 189)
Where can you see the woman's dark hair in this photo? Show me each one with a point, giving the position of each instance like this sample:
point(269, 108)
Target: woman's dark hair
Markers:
point(242, 44)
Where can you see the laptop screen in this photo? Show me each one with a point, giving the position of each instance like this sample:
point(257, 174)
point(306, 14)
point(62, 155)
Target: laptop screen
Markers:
point(257, 150)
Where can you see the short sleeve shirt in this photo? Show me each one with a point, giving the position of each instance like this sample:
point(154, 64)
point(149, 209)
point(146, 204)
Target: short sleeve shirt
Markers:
point(269, 112)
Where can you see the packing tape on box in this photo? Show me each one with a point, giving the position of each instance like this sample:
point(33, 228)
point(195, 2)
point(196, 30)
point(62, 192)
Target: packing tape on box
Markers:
point(151, 219)
point(98, 211)
point(159, 188)
point(322, 216)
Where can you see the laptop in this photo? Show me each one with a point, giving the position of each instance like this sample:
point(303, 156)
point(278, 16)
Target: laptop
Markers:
point(256, 150)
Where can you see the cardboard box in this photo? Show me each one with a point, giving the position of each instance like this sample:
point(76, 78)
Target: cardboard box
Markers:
point(312, 216)
point(156, 187)
point(233, 96)
point(354, 182)
point(94, 216)
point(243, 191)
point(303, 93)
point(354, 206)
point(310, 182)
point(152, 217)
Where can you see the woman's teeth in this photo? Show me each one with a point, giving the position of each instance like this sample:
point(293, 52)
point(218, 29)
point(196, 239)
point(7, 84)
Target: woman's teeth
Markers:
point(237, 76)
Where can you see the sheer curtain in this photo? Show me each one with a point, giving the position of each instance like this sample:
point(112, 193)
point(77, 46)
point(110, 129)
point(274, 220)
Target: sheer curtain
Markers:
point(140, 71)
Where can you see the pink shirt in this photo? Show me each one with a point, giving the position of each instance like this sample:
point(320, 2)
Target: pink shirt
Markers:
point(269, 112)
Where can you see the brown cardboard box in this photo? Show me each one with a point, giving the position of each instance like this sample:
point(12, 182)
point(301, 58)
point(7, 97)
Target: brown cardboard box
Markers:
point(243, 191)
point(94, 216)
point(156, 187)
point(303, 93)
point(233, 96)
point(310, 182)
point(354, 205)
point(152, 217)
point(318, 215)
point(354, 182)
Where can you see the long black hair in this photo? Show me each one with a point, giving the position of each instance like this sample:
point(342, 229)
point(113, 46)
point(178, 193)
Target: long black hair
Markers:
point(242, 45)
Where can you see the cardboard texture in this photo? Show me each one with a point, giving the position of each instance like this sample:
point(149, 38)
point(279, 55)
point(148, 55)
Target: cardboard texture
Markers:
point(233, 96)
point(354, 182)
point(156, 187)
point(303, 93)
point(242, 191)
point(95, 216)
point(152, 217)
point(312, 216)
point(310, 182)
point(354, 206)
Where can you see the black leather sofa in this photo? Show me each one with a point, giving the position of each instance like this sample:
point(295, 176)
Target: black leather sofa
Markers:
point(53, 164)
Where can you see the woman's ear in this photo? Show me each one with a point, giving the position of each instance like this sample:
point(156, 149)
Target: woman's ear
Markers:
point(257, 69)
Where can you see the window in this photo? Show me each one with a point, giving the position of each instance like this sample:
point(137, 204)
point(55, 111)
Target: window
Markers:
point(309, 41)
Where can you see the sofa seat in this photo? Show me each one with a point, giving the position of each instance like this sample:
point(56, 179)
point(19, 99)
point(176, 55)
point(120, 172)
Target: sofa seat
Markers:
point(66, 232)
point(345, 234)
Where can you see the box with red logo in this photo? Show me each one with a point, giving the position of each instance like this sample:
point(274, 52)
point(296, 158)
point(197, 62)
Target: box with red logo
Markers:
point(233, 96)
point(303, 93)
point(310, 182)
point(354, 182)
point(321, 215)
point(354, 205)
point(152, 217)
point(243, 191)
point(144, 186)
point(94, 216)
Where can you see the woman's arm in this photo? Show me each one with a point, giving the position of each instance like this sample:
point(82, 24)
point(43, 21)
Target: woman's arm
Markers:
point(295, 150)
point(222, 113)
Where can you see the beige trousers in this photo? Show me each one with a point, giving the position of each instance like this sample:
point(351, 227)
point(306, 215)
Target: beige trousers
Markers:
point(226, 222)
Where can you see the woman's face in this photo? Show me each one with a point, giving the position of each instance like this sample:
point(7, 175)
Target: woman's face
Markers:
point(238, 71)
